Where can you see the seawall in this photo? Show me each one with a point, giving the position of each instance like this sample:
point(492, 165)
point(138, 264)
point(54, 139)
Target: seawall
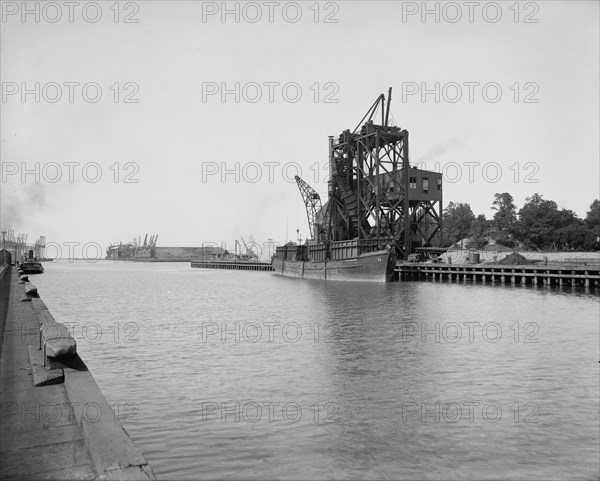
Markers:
point(56, 423)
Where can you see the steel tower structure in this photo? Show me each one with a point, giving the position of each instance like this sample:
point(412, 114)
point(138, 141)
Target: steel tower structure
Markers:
point(374, 192)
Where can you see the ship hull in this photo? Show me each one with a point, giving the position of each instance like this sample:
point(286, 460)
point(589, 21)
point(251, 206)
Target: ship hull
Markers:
point(370, 267)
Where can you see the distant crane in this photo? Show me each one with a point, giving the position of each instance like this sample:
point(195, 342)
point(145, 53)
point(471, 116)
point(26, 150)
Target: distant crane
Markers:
point(120, 250)
point(250, 254)
point(312, 202)
point(40, 247)
point(245, 246)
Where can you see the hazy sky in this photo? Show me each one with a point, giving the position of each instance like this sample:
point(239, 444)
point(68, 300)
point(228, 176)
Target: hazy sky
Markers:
point(213, 113)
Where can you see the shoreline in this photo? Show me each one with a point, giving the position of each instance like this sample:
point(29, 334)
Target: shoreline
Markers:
point(53, 410)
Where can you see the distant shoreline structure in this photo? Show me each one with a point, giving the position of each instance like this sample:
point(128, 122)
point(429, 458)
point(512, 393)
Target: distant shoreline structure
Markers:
point(169, 254)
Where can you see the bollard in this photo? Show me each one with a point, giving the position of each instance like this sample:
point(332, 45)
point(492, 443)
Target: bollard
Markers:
point(56, 341)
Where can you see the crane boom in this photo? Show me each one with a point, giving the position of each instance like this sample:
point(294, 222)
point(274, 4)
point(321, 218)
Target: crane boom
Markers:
point(312, 202)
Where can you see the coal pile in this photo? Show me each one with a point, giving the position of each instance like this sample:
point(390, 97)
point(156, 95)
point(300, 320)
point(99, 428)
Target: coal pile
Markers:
point(515, 259)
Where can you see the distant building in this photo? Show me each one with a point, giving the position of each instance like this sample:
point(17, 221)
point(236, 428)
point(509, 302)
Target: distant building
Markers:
point(6, 257)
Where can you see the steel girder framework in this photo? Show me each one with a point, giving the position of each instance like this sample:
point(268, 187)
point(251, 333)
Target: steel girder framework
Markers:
point(312, 202)
point(370, 191)
point(425, 221)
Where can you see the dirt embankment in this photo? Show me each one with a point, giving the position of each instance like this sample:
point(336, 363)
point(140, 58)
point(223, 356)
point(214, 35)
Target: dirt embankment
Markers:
point(490, 256)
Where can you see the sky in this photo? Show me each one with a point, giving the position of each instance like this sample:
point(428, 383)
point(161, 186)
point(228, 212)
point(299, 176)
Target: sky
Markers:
point(189, 119)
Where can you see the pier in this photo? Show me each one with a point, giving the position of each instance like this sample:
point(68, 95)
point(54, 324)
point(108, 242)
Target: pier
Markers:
point(56, 423)
point(542, 275)
point(236, 265)
point(584, 275)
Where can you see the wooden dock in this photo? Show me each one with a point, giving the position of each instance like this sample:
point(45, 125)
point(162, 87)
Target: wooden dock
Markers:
point(236, 265)
point(543, 275)
point(587, 275)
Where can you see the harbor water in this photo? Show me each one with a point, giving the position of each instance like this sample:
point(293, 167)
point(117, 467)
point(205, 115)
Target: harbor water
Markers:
point(247, 375)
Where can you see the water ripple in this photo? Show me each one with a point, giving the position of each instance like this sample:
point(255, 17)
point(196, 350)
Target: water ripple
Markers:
point(352, 381)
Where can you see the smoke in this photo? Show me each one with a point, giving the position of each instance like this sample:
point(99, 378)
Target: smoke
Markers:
point(36, 194)
point(441, 149)
point(19, 200)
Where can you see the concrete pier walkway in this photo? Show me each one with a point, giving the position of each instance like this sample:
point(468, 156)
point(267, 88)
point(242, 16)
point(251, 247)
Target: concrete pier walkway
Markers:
point(59, 431)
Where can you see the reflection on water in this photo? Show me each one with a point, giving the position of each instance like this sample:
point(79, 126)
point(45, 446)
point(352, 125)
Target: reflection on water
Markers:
point(248, 375)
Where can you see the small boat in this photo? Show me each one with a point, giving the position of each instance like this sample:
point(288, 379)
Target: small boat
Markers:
point(31, 266)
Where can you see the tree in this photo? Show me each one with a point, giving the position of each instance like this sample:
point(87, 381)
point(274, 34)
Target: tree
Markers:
point(479, 228)
point(506, 211)
point(592, 219)
point(537, 222)
point(592, 222)
point(457, 221)
point(543, 226)
point(576, 236)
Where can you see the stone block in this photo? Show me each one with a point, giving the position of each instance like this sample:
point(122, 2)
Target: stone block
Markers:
point(56, 340)
point(43, 376)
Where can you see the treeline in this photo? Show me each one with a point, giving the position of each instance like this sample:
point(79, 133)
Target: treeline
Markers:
point(538, 225)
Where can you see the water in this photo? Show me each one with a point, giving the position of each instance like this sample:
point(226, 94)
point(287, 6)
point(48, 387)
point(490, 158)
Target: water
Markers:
point(331, 380)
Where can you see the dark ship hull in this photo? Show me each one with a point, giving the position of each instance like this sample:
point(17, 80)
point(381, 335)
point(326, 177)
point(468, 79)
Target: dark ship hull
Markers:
point(372, 267)
point(31, 267)
point(375, 266)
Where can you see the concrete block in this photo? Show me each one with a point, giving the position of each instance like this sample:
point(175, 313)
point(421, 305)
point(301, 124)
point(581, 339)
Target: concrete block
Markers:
point(43, 376)
point(25, 278)
point(31, 290)
point(47, 377)
point(56, 341)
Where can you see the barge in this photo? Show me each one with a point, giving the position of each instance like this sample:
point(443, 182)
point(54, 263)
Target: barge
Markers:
point(352, 260)
point(379, 207)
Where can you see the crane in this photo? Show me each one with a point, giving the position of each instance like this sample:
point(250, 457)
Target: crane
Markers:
point(249, 252)
point(312, 202)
